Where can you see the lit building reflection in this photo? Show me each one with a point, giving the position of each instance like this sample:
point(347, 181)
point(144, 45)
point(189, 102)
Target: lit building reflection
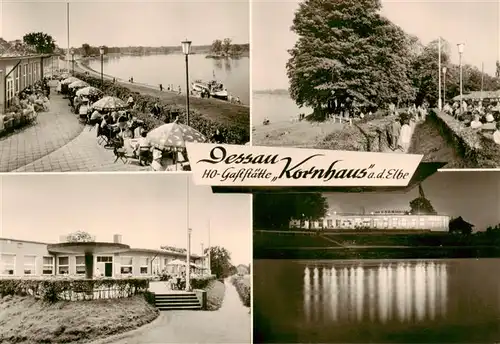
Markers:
point(400, 292)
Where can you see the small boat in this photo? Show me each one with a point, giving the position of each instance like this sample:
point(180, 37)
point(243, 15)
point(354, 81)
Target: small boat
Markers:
point(213, 88)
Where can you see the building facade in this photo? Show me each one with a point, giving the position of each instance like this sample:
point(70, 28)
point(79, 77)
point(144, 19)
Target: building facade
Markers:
point(20, 258)
point(17, 73)
point(387, 219)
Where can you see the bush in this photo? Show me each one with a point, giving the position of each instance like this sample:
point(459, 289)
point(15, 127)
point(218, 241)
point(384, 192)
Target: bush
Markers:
point(242, 285)
point(144, 103)
point(53, 290)
point(150, 298)
point(201, 282)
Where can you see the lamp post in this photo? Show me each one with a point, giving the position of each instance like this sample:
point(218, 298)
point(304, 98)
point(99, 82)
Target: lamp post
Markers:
point(186, 49)
point(72, 52)
point(188, 261)
point(460, 52)
point(101, 51)
point(444, 84)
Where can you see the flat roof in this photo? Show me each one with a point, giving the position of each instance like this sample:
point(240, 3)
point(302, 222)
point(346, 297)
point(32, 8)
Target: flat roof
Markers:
point(24, 57)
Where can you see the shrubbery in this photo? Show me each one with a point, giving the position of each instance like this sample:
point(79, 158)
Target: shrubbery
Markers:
point(144, 103)
point(201, 282)
point(53, 290)
point(242, 285)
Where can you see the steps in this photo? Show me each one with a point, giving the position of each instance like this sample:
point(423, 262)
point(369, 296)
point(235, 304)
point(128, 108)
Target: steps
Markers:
point(177, 301)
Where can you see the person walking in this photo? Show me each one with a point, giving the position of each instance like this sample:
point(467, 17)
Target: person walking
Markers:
point(161, 87)
point(405, 136)
point(395, 133)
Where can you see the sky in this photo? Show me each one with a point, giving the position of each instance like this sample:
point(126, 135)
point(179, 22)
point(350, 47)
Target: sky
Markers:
point(128, 23)
point(148, 210)
point(474, 23)
point(473, 195)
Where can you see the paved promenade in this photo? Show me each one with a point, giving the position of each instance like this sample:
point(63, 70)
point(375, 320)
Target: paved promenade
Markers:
point(230, 324)
point(58, 143)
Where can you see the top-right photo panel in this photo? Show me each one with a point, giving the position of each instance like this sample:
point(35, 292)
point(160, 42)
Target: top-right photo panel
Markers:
point(409, 77)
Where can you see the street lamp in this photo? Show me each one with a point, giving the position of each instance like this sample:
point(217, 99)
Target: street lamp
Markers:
point(444, 84)
point(72, 52)
point(101, 51)
point(186, 49)
point(188, 261)
point(460, 53)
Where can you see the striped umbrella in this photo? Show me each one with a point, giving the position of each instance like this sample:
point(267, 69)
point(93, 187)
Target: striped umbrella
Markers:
point(173, 135)
point(109, 103)
point(88, 91)
point(69, 80)
point(78, 84)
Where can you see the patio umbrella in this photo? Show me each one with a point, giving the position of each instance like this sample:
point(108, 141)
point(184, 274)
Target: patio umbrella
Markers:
point(173, 135)
point(88, 91)
point(176, 262)
point(69, 80)
point(65, 75)
point(78, 84)
point(109, 103)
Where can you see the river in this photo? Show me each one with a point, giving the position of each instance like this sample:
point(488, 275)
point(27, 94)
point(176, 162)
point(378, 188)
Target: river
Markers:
point(170, 69)
point(428, 301)
point(277, 107)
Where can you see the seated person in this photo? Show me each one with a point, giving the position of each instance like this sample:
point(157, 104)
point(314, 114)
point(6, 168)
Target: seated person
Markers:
point(490, 118)
point(84, 108)
point(476, 123)
point(139, 130)
point(496, 134)
point(142, 148)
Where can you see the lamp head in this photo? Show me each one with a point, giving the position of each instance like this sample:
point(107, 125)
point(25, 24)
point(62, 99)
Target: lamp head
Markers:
point(444, 70)
point(460, 47)
point(186, 47)
point(101, 50)
point(72, 51)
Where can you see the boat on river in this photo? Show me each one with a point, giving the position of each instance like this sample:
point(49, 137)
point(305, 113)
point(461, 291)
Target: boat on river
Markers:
point(212, 88)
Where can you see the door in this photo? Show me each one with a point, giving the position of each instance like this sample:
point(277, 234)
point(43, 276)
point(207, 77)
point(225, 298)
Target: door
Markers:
point(108, 269)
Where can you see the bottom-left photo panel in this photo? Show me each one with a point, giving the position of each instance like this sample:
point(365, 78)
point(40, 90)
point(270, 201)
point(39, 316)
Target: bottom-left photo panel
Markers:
point(123, 259)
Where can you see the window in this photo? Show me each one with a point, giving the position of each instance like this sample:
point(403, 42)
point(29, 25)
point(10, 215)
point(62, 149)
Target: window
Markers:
point(126, 265)
point(329, 223)
point(63, 265)
point(30, 73)
point(48, 266)
point(8, 264)
point(144, 262)
point(10, 90)
point(29, 265)
point(17, 76)
point(25, 76)
point(80, 265)
point(106, 259)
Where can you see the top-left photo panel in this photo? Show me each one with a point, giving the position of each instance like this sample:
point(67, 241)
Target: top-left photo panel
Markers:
point(89, 86)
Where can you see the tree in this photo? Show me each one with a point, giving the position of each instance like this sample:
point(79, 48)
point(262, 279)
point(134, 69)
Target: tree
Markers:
point(347, 51)
point(220, 261)
point(497, 72)
point(80, 236)
point(459, 225)
point(421, 205)
point(272, 211)
point(42, 42)
point(235, 49)
point(226, 45)
point(216, 46)
point(86, 49)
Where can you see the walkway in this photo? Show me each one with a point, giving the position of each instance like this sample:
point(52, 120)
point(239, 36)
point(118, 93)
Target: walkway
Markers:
point(54, 129)
point(230, 324)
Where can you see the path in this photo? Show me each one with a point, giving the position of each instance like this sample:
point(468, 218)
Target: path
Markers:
point(230, 324)
point(54, 129)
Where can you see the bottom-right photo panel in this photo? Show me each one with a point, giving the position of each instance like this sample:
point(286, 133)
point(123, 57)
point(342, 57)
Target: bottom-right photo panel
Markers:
point(415, 265)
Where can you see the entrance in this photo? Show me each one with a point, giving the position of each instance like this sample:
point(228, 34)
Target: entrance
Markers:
point(108, 269)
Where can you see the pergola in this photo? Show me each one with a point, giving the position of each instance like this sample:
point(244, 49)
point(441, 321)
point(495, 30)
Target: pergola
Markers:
point(88, 249)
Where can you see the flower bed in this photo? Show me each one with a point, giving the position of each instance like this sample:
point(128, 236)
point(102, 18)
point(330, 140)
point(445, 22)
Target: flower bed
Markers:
point(478, 150)
point(144, 103)
point(53, 290)
point(242, 285)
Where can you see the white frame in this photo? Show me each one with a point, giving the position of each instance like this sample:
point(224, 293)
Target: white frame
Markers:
point(17, 80)
point(79, 265)
point(3, 266)
point(142, 266)
point(59, 265)
point(52, 266)
point(131, 265)
point(33, 269)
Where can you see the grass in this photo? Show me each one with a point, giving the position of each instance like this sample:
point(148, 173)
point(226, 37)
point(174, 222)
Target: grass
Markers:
point(243, 287)
point(215, 295)
point(27, 320)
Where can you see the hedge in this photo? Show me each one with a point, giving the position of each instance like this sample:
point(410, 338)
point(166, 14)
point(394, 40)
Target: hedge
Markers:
point(478, 150)
point(201, 282)
point(53, 290)
point(243, 289)
point(144, 103)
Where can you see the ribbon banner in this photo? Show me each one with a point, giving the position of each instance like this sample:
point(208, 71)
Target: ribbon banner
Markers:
point(232, 165)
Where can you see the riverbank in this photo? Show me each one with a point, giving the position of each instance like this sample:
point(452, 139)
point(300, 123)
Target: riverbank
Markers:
point(206, 115)
point(428, 245)
point(27, 320)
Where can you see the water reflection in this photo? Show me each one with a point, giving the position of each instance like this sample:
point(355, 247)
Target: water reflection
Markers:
point(402, 292)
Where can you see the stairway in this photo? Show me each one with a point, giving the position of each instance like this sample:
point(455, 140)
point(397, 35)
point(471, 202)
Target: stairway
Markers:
point(177, 301)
